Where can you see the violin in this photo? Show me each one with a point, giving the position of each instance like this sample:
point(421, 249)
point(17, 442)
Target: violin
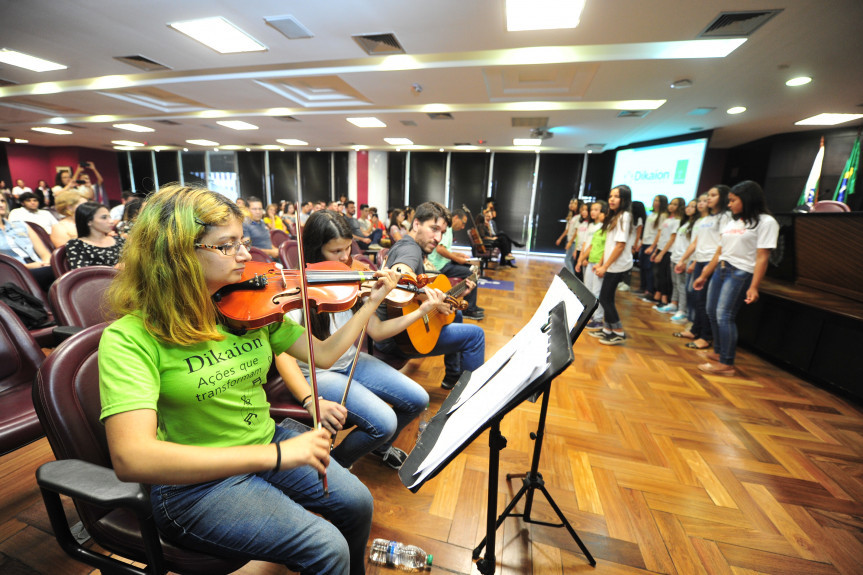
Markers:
point(398, 297)
point(265, 292)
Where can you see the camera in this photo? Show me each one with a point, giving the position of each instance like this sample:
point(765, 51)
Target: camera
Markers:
point(80, 182)
point(84, 164)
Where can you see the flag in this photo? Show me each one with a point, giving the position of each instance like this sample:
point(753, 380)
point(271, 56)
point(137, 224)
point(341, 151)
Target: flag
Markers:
point(849, 175)
point(810, 192)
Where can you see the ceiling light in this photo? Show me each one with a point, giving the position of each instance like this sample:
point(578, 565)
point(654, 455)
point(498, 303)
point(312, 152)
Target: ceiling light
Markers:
point(234, 147)
point(57, 120)
point(526, 142)
point(237, 125)
point(21, 141)
point(735, 110)
point(57, 131)
point(125, 148)
point(398, 141)
point(133, 128)
point(542, 14)
point(269, 147)
point(218, 34)
point(292, 142)
point(205, 143)
point(681, 84)
point(126, 143)
point(366, 122)
point(5, 140)
point(28, 62)
point(466, 147)
point(828, 119)
point(798, 81)
point(440, 149)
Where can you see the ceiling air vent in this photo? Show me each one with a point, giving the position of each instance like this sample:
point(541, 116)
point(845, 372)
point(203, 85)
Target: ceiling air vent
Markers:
point(538, 122)
point(409, 123)
point(632, 113)
point(286, 118)
point(290, 27)
point(737, 24)
point(167, 122)
point(595, 147)
point(377, 44)
point(440, 116)
point(142, 63)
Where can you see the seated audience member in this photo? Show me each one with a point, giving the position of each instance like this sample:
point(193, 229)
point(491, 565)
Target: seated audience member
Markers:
point(117, 211)
point(362, 237)
point(256, 230)
point(397, 218)
point(305, 211)
point(45, 195)
point(86, 188)
point(94, 246)
point(65, 204)
point(64, 181)
point(272, 220)
point(502, 243)
point(454, 264)
point(18, 241)
point(130, 212)
point(492, 225)
point(375, 386)
point(462, 345)
point(20, 188)
point(30, 212)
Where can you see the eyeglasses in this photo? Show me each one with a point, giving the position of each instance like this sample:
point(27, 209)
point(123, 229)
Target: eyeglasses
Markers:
point(228, 249)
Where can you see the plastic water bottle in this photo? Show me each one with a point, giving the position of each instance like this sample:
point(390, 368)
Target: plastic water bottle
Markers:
point(424, 419)
point(402, 557)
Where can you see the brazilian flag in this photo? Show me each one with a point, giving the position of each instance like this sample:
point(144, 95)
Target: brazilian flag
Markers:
point(849, 175)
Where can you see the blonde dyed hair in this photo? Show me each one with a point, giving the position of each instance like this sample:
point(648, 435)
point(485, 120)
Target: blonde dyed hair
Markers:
point(66, 202)
point(162, 280)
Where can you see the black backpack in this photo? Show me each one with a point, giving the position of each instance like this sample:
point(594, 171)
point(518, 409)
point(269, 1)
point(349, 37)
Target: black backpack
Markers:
point(28, 308)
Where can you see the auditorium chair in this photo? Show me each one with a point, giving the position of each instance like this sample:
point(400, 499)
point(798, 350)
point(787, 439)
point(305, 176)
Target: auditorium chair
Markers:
point(366, 260)
point(278, 236)
point(116, 514)
point(11, 270)
point(78, 296)
point(827, 206)
point(59, 262)
point(282, 403)
point(20, 357)
point(258, 255)
point(43, 235)
point(288, 254)
point(381, 257)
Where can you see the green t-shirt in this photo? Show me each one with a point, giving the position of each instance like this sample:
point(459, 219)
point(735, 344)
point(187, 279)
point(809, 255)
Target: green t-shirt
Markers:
point(597, 246)
point(437, 260)
point(208, 394)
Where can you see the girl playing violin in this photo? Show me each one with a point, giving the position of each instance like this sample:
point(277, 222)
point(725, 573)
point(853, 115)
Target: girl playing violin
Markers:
point(375, 385)
point(185, 411)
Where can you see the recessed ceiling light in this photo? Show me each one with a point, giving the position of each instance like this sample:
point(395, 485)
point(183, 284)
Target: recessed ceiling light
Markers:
point(26, 61)
point(127, 143)
point(735, 110)
point(133, 128)
point(269, 147)
point(488, 150)
point(317, 149)
point(366, 122)
point(466, 147)
point(398, 141)
point(440, 149)
point(292, 142)
point(218, 34)
point(5, 139)
point(798, 81)
point(57, 131)
point(526, 142)
point(206, 143)
point(828, 119)
point(233, 147)
point(21, 141)
point(237, 125)
point(542, 14)
point(125, 148)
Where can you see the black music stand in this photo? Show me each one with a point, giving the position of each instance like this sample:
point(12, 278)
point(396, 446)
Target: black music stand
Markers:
point(561, 338)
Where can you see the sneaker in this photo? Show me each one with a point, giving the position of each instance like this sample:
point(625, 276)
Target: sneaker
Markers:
point(474, 314)
point(392, 457)
point(594, 325)
point(679, 317)
point(598, 334)
point(667, 308)
point(622, 287)
point(509, 257)
point(449, 381)
point(613, 339)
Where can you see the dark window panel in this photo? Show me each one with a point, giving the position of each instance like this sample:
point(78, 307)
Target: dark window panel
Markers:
point(557, 183)
point(428, 177)
point(167, 168)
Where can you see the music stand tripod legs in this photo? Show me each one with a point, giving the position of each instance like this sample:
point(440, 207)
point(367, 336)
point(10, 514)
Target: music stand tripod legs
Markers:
point(531, 481)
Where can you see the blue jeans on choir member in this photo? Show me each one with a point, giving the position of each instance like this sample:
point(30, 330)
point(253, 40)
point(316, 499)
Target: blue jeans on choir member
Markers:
point(271, 516)
point(568, 262)
point(374, 388)
point(724, 297)
point(701, 324)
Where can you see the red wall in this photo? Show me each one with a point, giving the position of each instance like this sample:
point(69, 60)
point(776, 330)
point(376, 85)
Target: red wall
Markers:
point(34, 163)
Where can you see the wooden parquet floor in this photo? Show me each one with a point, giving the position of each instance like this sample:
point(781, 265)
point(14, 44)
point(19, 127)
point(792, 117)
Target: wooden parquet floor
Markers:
point(660, 468)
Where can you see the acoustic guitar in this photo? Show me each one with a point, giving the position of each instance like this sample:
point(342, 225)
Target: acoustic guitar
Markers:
point(421, 336)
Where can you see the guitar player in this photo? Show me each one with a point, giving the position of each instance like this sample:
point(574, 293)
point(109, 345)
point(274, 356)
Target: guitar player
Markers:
point(461, 344)
point(454, 264)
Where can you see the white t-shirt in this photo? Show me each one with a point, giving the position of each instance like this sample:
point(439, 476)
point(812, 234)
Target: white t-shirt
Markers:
point(620, 233)
point(116, 212)
point(634, 229)
point(41, 217)
point(707, 231)
point(337, 321)
point(666, 229)
point(17, 190)
point(581, 234)
point(740, 243)
point(572, 227)
point(681, 242)
point(649, 232)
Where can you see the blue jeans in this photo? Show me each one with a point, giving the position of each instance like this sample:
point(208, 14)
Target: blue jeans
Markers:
point(271, 516)
point(724, 297)
point(698, 303)
point(462, 345)
point(375, 385)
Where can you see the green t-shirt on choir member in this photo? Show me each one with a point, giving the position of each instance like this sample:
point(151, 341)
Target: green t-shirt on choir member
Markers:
point(208, 394)
point(597, 246)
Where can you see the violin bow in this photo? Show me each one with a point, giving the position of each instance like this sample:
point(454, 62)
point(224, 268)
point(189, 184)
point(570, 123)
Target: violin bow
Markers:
point(350, 378)
point(304, 287)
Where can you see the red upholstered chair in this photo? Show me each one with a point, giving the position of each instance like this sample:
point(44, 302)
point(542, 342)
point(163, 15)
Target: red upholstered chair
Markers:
point(116, 514)
point(825, 206)
point(59, 263)
point(43, 235)
point(292, 229)
point(288, 254)
point(258, 255)
point(78, 296)
point(20, 357)
point(11, 270)
point(278, 236)
point(366, 260)
point(282, 403)
point(381, 257)
point(355, 247)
